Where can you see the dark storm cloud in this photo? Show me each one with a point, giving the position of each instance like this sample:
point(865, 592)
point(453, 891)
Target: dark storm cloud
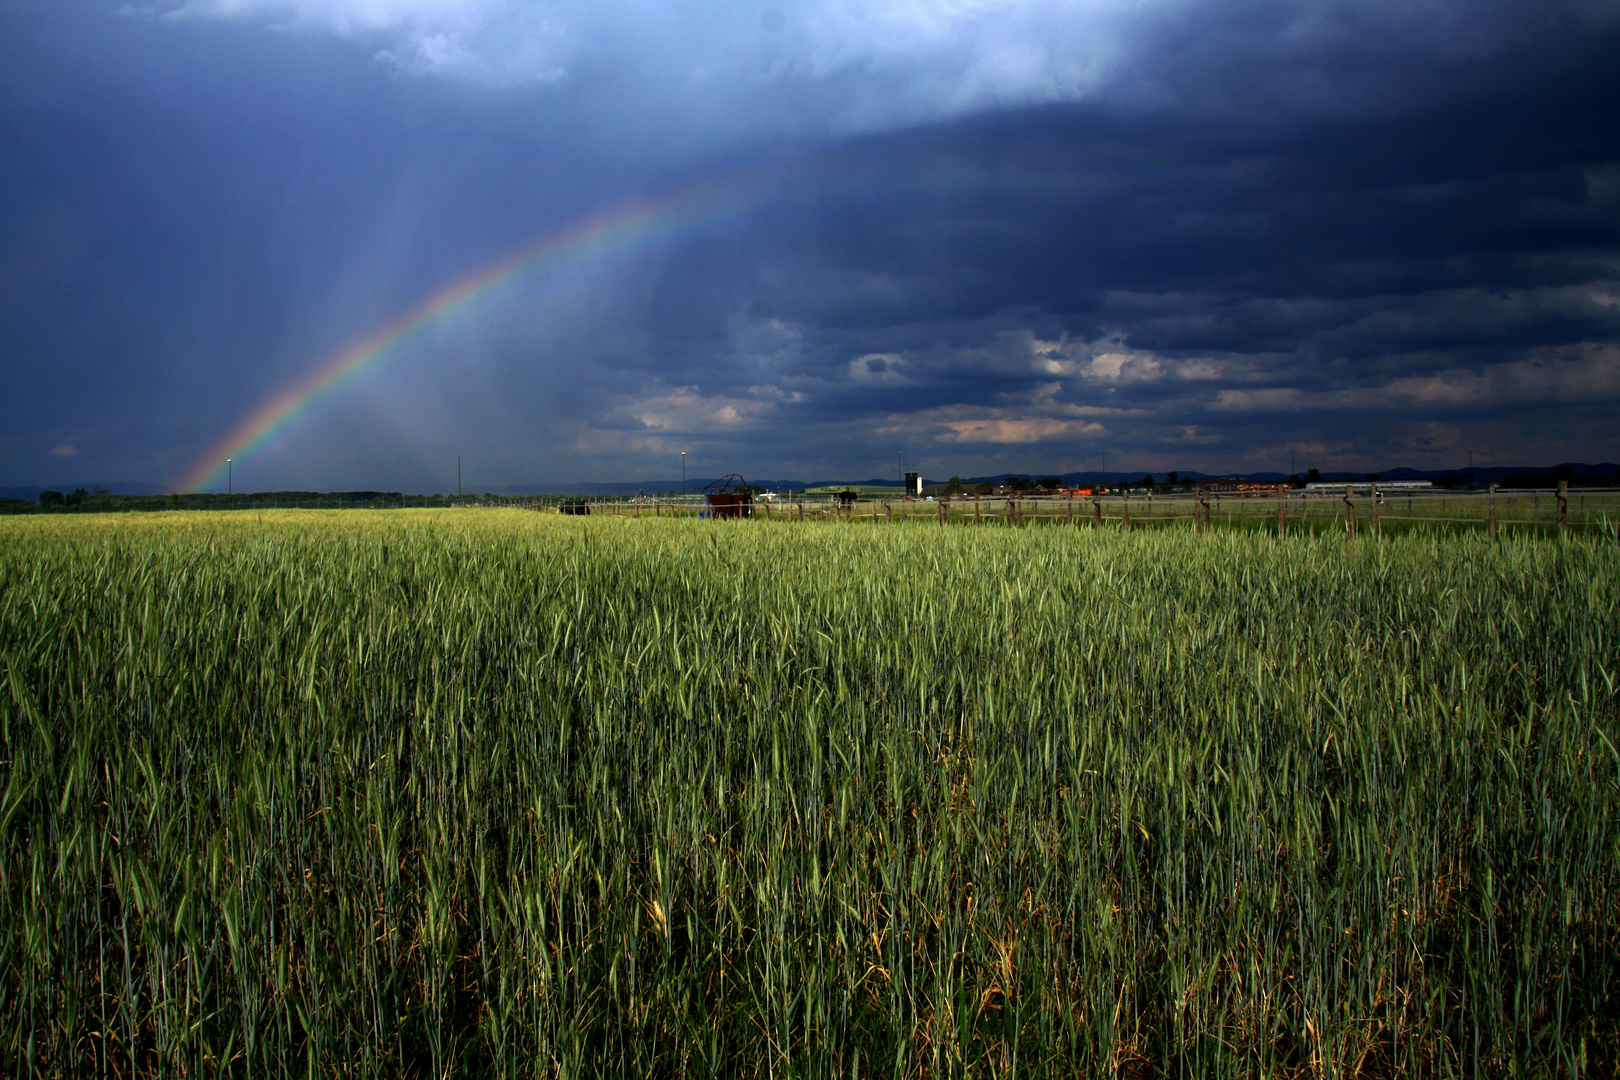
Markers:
point(1445, 263)
point(998, 235)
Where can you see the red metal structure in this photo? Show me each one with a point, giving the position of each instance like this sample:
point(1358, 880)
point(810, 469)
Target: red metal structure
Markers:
point(730, 497)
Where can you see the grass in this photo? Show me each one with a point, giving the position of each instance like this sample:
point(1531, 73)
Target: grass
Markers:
point(438, 793)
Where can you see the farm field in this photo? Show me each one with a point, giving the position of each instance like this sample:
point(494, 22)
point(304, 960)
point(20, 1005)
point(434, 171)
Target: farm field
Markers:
point(500, 793)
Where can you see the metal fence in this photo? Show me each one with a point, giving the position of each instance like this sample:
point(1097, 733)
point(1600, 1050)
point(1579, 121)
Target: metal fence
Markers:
point(1355, 511)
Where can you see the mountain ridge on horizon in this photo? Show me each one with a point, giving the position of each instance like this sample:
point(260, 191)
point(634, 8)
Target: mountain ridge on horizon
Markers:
point(695, 485)
point(1483, 474)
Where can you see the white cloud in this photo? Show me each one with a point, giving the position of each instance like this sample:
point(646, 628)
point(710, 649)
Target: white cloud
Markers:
point(63, 450)
point(1192, 435)
point(1038, 419)
point(1123, 365)
point(1108, 359)
point(502, 42)
point(1019, 430)
point(670, 418)
point(876, 65)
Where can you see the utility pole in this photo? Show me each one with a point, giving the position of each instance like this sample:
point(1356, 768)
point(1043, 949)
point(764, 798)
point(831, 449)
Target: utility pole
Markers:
point(458, 474)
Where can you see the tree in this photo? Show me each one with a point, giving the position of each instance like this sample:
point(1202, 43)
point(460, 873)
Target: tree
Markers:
point(1147, 481)
point(51, 498)
point(1171, 479)
point(1019, 483)
point(1312, 476)
point(1051, 482)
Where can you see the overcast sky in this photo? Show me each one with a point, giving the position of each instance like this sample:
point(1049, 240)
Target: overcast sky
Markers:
point(991, 234)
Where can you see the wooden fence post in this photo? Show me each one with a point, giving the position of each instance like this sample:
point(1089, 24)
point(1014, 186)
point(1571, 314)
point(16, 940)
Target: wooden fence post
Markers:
point(1493, 511)
point(975, 510)
point(1375, 511)
point(944, 509)
point(1096, 512)
point(1071, 510)
point(1563, 508)
point(1349, 513)
point(1281, 510)
point(1126, 510)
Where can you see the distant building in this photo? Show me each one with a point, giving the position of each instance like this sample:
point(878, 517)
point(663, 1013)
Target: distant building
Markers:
point(1364, 487)
point(1226, 485)
point(957, 491)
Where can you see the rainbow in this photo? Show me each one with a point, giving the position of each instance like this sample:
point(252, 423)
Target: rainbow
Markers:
point(617, 229)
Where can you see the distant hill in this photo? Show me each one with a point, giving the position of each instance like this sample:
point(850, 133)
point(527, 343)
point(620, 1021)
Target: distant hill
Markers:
point(31, 493)
point(1481, 475)
point(1524, 475)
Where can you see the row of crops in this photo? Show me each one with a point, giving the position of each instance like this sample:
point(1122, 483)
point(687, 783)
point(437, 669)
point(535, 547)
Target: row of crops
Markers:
point(434, 793)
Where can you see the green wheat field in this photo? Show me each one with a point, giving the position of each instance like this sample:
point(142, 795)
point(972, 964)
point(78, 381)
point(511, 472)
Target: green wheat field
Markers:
point(436, 793)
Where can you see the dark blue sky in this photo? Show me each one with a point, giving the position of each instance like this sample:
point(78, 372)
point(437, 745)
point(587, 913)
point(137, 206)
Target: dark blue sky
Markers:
point(997, 236)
